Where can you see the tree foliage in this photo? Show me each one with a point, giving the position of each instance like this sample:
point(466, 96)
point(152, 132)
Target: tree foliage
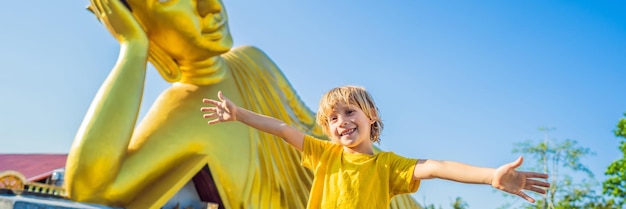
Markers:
point(431, 206)
point(558, 159)
point(581, 196)
point(615, 184)
point(459, 204)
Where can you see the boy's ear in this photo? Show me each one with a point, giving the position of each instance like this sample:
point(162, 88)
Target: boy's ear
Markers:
point(374, 117)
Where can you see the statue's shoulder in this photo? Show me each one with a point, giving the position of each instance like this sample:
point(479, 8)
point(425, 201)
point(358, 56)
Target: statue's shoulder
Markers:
point(249, 50)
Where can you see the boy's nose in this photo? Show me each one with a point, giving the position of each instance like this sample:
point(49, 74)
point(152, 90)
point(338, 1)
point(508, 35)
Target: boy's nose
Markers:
point(342, 121)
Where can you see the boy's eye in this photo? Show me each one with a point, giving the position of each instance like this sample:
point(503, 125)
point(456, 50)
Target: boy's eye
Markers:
point(332, 118)
point(349, 112)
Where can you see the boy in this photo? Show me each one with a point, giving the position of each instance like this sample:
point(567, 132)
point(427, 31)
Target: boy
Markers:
point(347, 172)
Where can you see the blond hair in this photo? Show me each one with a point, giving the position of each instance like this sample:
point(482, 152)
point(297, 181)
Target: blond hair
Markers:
point(354, 95)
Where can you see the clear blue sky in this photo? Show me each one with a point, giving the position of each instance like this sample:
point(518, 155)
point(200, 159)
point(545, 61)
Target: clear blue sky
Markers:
point(455, 80)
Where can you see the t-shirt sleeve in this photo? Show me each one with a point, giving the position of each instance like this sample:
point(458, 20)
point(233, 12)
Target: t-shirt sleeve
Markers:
point(401, 179)
point(312, 151)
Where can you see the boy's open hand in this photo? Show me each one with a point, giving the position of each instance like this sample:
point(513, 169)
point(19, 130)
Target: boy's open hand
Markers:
point(507, 179)
point(223, 110)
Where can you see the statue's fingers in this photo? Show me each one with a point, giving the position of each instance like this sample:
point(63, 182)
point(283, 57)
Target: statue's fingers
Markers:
point(525, 196)
point(117, 6)
point(96, 6)
point(93, 9)
point(106, 6)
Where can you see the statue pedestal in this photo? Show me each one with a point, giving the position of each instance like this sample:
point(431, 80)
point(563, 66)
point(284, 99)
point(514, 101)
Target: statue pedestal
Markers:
point(174, 190)
point(12, 201)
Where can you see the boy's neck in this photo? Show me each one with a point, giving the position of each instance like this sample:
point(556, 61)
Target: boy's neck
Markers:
point(368, 150)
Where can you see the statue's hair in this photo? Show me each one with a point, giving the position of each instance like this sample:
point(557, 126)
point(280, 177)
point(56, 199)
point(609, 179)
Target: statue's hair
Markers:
point(354, 95)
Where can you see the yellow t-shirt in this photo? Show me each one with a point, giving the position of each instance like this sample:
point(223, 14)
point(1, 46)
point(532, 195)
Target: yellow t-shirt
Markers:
point(345, 180)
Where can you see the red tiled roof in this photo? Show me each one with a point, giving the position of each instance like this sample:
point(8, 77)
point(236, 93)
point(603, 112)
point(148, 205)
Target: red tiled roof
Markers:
point(33, 166)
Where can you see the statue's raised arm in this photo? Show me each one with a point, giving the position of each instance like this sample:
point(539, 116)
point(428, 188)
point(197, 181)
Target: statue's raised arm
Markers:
point(117, 160)
point(101, 144)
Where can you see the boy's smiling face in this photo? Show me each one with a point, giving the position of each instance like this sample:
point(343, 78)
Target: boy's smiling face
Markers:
point(350, 127)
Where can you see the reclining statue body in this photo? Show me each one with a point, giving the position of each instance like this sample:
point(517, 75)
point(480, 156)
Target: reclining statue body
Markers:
point(113, 159)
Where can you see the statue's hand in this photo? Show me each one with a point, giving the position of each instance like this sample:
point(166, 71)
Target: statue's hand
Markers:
point(119, 20)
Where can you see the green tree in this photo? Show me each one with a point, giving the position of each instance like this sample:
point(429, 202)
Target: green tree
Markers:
point(556, 158)
point(615, 184)
point(583, 196)
point(459, 204)
point(431, 206)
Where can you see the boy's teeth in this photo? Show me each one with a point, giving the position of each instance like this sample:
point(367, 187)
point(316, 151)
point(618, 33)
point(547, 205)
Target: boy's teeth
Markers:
point(346, 132)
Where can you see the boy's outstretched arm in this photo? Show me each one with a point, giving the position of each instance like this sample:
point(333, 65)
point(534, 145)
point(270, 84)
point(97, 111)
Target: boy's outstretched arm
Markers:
point(225, 110)
point(504, 178)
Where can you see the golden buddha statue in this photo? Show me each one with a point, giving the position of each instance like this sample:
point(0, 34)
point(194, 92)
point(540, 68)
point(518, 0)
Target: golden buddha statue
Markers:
point(114, 160)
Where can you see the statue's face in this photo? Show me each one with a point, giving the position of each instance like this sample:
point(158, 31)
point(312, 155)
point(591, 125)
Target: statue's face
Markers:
point(186, 29)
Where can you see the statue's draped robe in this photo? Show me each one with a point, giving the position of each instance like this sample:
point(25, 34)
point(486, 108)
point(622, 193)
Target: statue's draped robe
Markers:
point(278, 176)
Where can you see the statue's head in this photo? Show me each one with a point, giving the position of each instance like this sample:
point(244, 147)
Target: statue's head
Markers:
point(193, 30)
